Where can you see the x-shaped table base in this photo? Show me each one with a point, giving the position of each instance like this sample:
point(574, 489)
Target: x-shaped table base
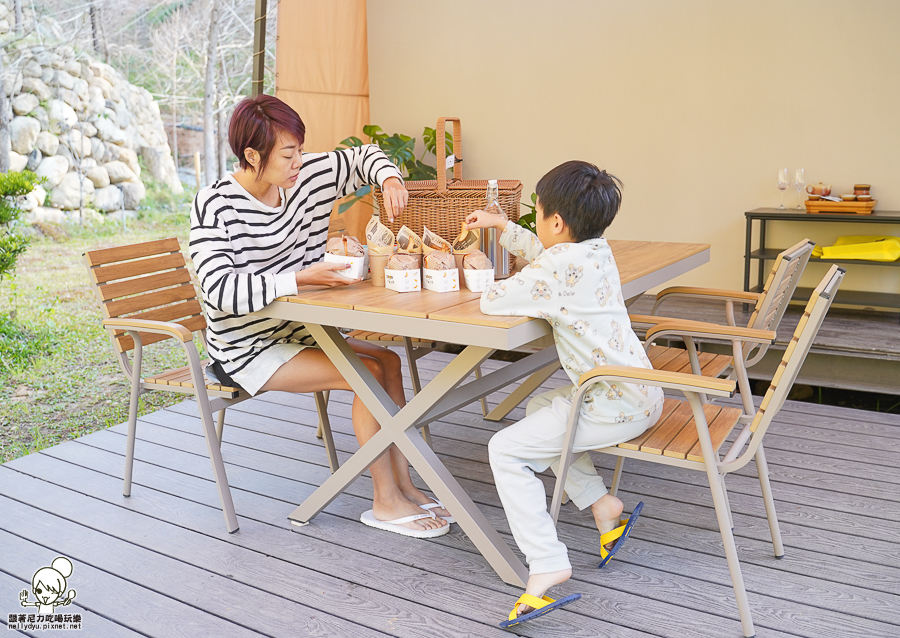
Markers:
point(441, 396)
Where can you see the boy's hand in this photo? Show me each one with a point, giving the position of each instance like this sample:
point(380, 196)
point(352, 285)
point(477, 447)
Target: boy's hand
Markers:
point(481, 219)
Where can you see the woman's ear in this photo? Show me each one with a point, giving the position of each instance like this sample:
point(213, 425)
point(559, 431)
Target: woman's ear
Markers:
point(252, 157)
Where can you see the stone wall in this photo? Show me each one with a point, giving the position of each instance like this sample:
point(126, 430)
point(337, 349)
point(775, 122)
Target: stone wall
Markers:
point(80, 124)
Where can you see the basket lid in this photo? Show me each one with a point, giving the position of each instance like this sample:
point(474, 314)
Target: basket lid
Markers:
point(462, 184)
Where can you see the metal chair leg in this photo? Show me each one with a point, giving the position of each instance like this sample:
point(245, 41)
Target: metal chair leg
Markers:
point(132, 413)
point(617, 475)
point(325, 427)
point(220, 426)
point(484, 403)
point(326, 394)
point(762, 468)
point(417, 383)
point(720, 499)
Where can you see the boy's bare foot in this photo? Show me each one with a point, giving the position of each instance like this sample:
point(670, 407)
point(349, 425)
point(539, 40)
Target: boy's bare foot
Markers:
point(607, 511)
point(421, 498)
point(400, 507)
point(538, 584)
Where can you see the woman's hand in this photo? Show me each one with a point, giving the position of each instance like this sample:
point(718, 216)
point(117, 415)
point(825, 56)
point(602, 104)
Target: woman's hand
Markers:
point(324, 274)
point(481, 219)
point(395, 197)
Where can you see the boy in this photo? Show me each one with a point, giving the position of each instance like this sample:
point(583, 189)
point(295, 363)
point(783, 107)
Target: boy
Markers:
point(573, 283)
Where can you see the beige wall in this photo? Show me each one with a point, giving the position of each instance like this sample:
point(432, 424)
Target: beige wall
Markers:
point(693, 104)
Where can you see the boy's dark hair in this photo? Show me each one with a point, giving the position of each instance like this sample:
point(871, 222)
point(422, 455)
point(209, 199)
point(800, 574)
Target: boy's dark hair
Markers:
point(585, 197)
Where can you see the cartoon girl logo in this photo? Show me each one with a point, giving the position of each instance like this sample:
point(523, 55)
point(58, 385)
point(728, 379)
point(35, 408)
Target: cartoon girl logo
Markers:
point(49, 586)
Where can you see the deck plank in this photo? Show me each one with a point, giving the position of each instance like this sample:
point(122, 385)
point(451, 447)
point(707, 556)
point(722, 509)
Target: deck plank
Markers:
point(682, 590)
point(713, 541)
point(833, 472)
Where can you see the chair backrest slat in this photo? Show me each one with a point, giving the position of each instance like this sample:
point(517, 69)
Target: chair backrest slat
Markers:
point(128, 305)
point(174, 312)
point(145, 281)
point(104, 274)
point(780, 286)
point(105, 256)
point(795, 354)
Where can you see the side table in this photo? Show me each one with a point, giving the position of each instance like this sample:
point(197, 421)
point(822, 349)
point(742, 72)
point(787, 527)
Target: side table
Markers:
point(764, 253)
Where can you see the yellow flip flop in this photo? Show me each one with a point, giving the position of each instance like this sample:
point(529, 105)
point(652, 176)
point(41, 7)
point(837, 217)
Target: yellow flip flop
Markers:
point(620, 533)
point(543, 605)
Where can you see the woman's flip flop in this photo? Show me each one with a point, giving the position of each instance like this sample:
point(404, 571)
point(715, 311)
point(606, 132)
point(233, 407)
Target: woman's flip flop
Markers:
point(541, 606)
point(620, 533)
point(396, 525)
point(430, 506)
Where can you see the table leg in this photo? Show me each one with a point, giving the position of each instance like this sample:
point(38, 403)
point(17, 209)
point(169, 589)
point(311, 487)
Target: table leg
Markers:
point(393, 420)
point(439, 397)
point(518, 395)
point(470, 519)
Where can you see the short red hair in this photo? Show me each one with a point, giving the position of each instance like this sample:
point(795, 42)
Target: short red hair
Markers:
point(255, 124)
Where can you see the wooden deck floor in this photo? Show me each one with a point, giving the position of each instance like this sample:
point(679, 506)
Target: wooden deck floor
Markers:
point(161, 564)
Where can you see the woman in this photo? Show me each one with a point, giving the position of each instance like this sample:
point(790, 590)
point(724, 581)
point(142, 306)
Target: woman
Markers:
point(259, 234)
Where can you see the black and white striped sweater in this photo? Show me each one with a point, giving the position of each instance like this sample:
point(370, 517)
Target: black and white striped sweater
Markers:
point(246, 253)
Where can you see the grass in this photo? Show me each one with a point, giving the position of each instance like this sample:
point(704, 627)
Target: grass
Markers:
point(58, 377)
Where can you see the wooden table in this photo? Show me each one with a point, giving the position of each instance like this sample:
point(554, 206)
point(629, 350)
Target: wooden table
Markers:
point(456, 318)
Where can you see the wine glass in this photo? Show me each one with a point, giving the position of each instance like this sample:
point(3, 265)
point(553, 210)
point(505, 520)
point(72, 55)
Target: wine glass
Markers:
point(782, 183)
point(799, 183)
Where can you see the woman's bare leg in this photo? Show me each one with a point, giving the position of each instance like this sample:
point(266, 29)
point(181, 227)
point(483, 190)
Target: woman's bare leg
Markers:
point(311, 371)
point(393, 384)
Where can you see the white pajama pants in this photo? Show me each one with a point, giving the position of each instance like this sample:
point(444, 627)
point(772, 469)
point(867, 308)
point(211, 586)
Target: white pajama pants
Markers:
point(533, 445)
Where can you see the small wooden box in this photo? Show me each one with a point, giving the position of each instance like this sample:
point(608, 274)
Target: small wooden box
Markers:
point(844, 208)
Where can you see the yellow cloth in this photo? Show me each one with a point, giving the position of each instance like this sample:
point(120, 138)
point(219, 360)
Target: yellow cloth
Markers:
point(866, 247)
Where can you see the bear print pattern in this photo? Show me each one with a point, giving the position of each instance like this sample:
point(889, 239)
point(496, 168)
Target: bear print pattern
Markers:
point(540, 290)
point(615, 341)
point(579, 328)
point(496, 291)
point(604, 292)
point(573, 274)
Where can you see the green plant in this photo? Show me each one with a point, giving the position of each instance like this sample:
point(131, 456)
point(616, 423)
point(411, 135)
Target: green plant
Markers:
point(12, 244)
point(401, 150)
point(529, 220)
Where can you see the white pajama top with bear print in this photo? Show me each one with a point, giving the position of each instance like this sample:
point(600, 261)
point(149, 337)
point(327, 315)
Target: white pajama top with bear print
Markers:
point(576, 288)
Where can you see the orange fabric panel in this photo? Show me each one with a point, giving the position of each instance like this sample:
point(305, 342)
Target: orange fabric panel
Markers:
point(322, 72)
point(322, 68)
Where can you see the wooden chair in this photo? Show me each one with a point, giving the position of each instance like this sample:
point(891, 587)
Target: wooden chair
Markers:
point(146, 295)
point(690, 433)
point(771, 305)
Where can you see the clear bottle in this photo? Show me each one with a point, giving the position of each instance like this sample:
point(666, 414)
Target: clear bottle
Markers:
point(490, 238)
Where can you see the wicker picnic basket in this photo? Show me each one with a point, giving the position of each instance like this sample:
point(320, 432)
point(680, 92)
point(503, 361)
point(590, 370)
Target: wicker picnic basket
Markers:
point(442, 206)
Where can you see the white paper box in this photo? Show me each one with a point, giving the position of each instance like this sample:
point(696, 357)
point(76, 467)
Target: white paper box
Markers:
point(478, 280)
point(403, 280)
point(441, 280)
point(357, 265)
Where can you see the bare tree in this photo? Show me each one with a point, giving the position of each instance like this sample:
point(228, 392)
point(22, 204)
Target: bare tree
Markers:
point(221, 128)
point(209, 96)
point(4, 121)
point(20, 22)
point(96, 33)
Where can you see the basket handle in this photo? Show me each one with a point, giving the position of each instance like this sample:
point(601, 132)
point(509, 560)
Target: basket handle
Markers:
point(440, 151)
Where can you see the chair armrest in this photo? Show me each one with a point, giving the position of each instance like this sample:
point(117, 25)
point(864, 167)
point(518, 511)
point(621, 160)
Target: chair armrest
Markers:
point(715, 293)
point(699, 329)
point(146, 325)
point(661, 378)
point(647, 320)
